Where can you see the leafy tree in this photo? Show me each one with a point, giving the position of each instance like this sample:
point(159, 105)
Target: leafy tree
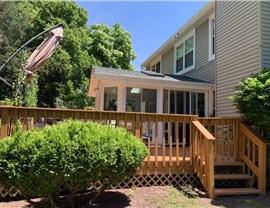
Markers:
point(252, 99)
point(65, 77)
point(112, 47)
point(13, 29)
point(71, 60)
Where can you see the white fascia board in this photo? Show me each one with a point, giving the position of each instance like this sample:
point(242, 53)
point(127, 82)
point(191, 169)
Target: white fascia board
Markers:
point(153, 83)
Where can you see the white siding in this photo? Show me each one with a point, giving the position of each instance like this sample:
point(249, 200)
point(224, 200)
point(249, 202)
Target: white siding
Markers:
point(265, 32)
point(237, 49)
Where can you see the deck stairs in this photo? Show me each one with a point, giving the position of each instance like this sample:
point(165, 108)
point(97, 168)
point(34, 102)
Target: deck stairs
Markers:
point(231, 179)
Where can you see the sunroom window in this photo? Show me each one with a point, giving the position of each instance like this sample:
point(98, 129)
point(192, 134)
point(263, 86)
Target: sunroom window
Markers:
point(184, 55)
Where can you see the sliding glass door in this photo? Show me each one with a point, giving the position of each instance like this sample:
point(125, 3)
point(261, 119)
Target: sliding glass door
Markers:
point(181, 102)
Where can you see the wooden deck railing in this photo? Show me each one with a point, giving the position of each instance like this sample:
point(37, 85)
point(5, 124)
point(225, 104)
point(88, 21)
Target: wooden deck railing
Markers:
point(176, 143)
point(166, 136)
point(226, 132)
point(253, 154)
point(203, 156)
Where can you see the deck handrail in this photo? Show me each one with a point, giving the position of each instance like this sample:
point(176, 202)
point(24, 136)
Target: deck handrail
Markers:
point(253, 154)
point(226, 132)
point(203, 156)
point(162, 133)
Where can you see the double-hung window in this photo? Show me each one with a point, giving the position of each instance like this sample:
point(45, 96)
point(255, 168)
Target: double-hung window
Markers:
point(185, 54)
point(212, 31)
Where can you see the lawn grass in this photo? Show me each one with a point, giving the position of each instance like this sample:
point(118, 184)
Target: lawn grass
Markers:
point(183, 197)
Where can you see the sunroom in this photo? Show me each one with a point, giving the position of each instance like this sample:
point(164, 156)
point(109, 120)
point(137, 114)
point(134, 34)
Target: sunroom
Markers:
point(150, 92)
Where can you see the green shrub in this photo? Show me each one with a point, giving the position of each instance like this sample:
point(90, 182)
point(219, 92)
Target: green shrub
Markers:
point(252, 99)
point(69, 156)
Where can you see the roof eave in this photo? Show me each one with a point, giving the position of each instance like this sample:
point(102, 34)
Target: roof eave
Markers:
point(153, 82)
point(184, 28)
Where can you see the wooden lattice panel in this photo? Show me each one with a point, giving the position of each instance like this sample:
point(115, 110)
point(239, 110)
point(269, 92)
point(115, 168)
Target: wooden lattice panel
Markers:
point(176, 179)
point(8, 192)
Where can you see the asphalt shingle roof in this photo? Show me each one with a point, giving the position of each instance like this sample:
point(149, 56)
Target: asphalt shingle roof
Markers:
point(144, 74)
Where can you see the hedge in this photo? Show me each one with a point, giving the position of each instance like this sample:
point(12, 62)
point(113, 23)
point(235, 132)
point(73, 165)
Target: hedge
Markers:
point(70, 156)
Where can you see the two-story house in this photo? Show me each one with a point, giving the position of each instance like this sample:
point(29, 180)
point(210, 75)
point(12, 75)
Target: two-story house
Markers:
point(197, 69)
point(222, 44)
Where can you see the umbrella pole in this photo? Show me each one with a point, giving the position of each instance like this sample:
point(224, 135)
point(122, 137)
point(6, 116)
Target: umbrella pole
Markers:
point(22, 47)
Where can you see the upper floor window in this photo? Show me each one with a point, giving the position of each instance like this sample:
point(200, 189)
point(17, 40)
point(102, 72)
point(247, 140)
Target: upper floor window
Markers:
point(212, 33)
point(185, 54)
point(156, 67)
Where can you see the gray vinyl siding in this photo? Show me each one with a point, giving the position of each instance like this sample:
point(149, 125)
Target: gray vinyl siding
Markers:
point(167, 62)
point(237, 49)
point(204, 69)
point(265, 33)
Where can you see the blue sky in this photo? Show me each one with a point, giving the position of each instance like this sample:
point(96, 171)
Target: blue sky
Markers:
point(150, 23)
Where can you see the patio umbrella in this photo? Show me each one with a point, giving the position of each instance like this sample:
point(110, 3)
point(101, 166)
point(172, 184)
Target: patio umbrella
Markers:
point(43, 52)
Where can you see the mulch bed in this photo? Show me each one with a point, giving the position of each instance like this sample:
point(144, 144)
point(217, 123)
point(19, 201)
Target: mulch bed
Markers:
point(140, 198)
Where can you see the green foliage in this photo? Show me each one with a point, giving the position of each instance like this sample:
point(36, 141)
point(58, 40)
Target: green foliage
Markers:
point(69, 156)
point(6, 102)
point(112, 47)
point(13, 33)
point(31, 93)
point(71, 61)
point(252, 99)
point(66, 75)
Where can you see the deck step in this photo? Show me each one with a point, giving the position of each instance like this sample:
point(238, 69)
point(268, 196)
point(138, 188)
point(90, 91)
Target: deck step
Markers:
point(228, 163)
point(232, 176)
point(236, 191)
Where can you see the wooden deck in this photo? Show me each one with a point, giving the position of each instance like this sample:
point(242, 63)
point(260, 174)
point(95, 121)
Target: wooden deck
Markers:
point(177, 144)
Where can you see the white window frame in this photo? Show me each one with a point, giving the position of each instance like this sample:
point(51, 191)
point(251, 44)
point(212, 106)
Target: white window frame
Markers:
point(182, 41)
point(210, 38)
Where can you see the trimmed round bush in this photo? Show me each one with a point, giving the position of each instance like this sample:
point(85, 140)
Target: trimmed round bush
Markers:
point(69, 156)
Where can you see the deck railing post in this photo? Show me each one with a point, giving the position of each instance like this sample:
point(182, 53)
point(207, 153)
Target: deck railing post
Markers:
point(4, 123)
point(262, 168)
point(138, 126)
point(210, 169)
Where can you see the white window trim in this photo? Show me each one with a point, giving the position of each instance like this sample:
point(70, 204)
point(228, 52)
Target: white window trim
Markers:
point(182, 41)
point(210, 56)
